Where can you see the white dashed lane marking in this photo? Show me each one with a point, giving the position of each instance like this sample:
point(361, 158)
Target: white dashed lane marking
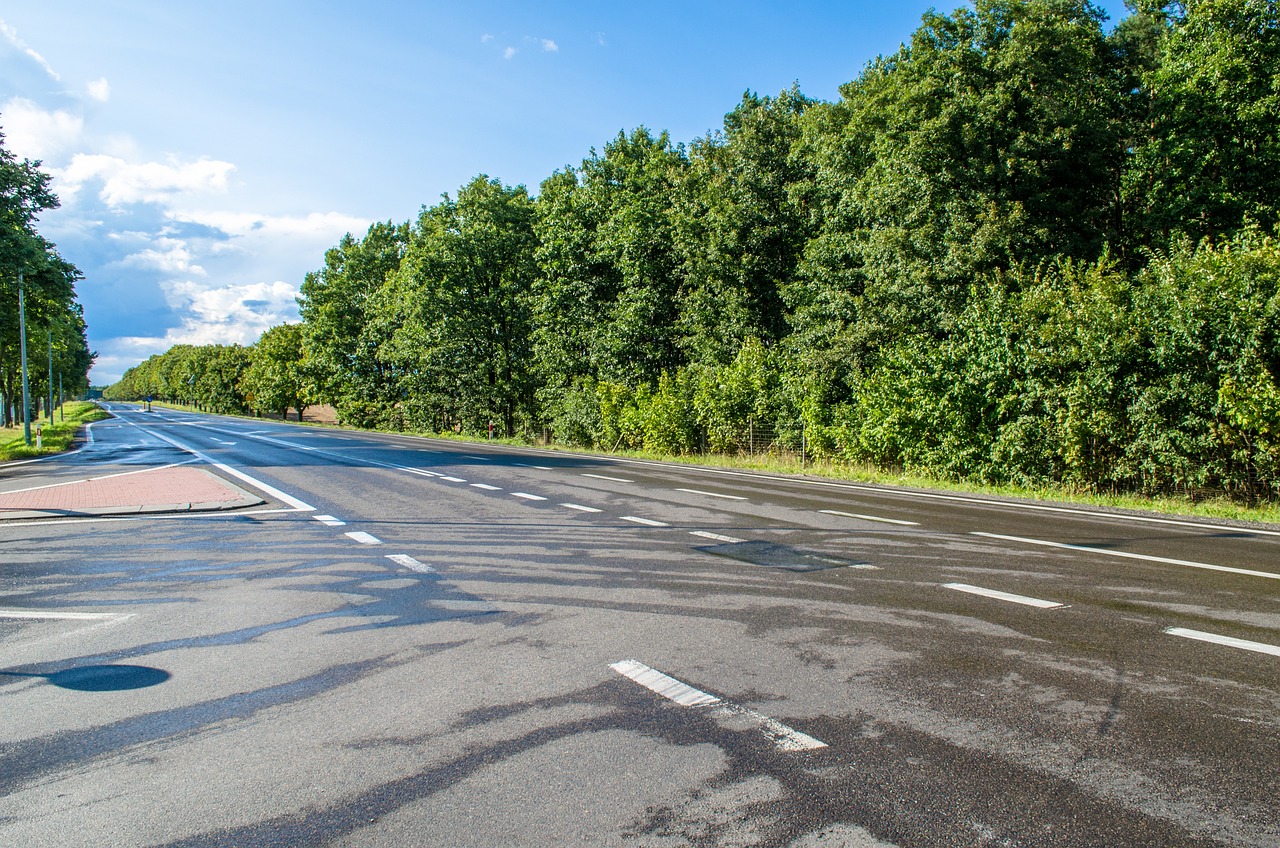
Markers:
point(486, 487)
point(1127, 555)
point(527, 496)
point(712, 494)
point(648, 522)
point(716, 537)
point(1243, 644)
point(453, 479)
point(869, 517)
point(579, 507)
point(783, 737)
point(411, 563)
point(1003, 596)
point(364, 538)
point(329, 520)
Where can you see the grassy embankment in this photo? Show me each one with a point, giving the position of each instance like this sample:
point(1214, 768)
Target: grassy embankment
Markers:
point(57, 437)
point(1197, 507)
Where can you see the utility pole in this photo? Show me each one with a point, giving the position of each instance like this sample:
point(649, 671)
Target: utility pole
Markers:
point(26, 385)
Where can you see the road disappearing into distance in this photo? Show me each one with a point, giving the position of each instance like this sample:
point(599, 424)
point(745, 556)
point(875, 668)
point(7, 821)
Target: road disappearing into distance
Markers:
point(423, 642)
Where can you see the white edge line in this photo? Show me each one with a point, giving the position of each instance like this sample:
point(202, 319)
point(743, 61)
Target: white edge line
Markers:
point(1244, 644)
point(1127, 555)
point(1003, 596)
point(602, 477)
point(68, 616)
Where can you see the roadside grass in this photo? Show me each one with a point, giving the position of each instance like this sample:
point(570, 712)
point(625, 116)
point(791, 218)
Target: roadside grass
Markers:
point(1218, 507)
point(56, 437)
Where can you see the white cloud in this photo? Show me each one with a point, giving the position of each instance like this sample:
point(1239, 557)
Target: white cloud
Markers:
point(234, 314)
point(509, 53)
point(550, 46)
point(486, 38)
point(11, 36)
point(148, 182)
point(34, 133)
point(169, 256)
point(99, 90)
point(317, 225)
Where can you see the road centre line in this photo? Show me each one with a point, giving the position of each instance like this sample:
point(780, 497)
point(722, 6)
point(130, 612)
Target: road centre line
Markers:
point(783, 737)
point(648, 522)
point(1003, 596)
point(869, 517)
point(527, 496)
point(64, 616)
point(610, 479)
point(329, 520)
point(1244, 644)
point(580, 507)
point(411, 563)
point(487, 487)
point(713, 494)
point(1127, 555)
point(716, 537)
point(363, 537)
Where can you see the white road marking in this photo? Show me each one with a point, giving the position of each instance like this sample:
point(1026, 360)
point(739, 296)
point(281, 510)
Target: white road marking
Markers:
point(424, 472)
point(1003, 596)
point(329, 520)
point(539, 467)
point(579, 507)
point(648, 522)
point(363, 537)
point(63, 616)
point(481, 458)
point(610, 479)
point(411, 563)
point(453, 479)
point(103, 477)
point(527, 496)
point(1127, 555)
point(221, 441)
point(487, 487)
point(785, 738)
point(1260, 647)
point(716, 536)
point(713, 494)
point(869, 517)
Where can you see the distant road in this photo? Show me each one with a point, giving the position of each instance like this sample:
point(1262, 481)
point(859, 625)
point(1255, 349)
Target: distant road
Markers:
point(422, 642)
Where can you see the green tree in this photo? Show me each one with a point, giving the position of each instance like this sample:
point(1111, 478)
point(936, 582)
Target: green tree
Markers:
point(278, 374)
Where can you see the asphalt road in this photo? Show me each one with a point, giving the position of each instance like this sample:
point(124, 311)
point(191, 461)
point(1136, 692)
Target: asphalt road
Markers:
point(417, 642)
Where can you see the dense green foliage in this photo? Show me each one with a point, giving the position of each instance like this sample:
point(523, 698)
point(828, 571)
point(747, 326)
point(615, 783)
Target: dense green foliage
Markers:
point(53, 316)
point(1024, 248)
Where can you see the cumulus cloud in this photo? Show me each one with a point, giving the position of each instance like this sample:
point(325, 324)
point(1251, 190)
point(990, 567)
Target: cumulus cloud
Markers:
point(99, 90)
point(550, 46)
point(124, 182)
point(35, 133)
point(11, 35)
point(509, 53)
point(168, 256)
point(321, 225)
point(231, 314)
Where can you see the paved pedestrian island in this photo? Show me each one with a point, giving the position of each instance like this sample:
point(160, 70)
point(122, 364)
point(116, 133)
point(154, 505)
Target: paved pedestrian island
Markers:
point(154, 490)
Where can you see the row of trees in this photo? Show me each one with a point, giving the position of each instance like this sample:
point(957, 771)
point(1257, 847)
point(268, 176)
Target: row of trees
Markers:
point(1021, 248)
point(54, 318)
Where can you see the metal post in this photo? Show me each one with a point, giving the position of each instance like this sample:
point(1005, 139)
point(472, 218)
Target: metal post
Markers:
point(62, 401)
point(26, 385)
point(51, 376)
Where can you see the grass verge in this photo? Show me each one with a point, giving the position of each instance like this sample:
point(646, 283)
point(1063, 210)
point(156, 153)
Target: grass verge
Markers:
point(56, 437)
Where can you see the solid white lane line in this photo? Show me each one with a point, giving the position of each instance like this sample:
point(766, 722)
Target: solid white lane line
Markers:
point(453, 479)
point(63, 616)
point(527, 496)
point(869, 517)
point(1244, 644)
point(784, 738)
point(1127, 555)
point(579, 507)
point(486, 487)
point(610, 479)
point(411, 563)
point(329, 520)
point(648, 522)
point(713, 494)
point(363, 537)
point(1003, 596)
point(716, 536)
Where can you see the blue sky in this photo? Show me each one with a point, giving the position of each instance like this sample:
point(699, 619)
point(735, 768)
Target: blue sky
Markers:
point(207, 154)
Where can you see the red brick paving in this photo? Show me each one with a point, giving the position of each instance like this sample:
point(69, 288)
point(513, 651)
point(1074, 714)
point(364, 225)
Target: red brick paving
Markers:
point(153, 487)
